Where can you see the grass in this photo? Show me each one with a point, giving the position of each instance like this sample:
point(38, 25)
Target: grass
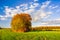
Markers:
point(7, 34)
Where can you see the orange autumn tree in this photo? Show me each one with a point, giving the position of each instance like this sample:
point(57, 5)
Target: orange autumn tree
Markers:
point(21, 22)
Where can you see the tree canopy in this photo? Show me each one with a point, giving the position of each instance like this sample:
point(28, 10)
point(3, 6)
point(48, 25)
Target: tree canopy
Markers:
point(21, 22)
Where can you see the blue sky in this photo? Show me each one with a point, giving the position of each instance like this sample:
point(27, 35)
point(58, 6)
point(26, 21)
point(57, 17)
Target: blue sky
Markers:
point(43, 12)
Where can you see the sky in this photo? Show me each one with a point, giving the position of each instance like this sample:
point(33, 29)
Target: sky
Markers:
point(43, 12)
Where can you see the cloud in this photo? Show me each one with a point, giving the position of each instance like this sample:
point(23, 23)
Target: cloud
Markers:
point(29, 11)
point(41, 13)
point(10, 11)
point(36, 14)
point(58, 19)
point(31, 8)
point(35, 5)
point(17, 7)
point(45, 4)
point(35, 0)
point(2, 17)
point(53, 7)
point(37, 11)
point(44, 23)
point(51, 22)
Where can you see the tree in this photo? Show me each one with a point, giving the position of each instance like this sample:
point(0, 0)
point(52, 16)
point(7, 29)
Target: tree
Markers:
point(0, 27)
point(21, 22)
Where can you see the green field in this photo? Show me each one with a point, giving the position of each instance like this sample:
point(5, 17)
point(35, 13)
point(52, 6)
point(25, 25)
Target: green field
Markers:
point(6, 34)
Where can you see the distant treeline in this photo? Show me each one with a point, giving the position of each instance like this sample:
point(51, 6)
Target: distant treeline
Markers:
point(46, 28)
point(42, 28)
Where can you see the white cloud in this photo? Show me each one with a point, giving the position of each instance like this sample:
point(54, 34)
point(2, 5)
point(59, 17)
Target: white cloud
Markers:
point(45, 4)
point(34, 5)
point(49, 12)
point(35, 18)
point(29, 11)
point(24, 6)
point(31, 6)
point(17, 7)
point(52, 22)
point(58, 19)
point(35, 0)
point(41, 13)
point(10, 11)
point(44, 23)
point(53, 7)
point(2, 17)
point(37, 15)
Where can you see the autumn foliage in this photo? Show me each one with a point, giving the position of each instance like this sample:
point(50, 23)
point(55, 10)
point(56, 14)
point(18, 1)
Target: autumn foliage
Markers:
point(21, 22)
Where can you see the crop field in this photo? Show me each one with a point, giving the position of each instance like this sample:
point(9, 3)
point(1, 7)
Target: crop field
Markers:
point(7, 34)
